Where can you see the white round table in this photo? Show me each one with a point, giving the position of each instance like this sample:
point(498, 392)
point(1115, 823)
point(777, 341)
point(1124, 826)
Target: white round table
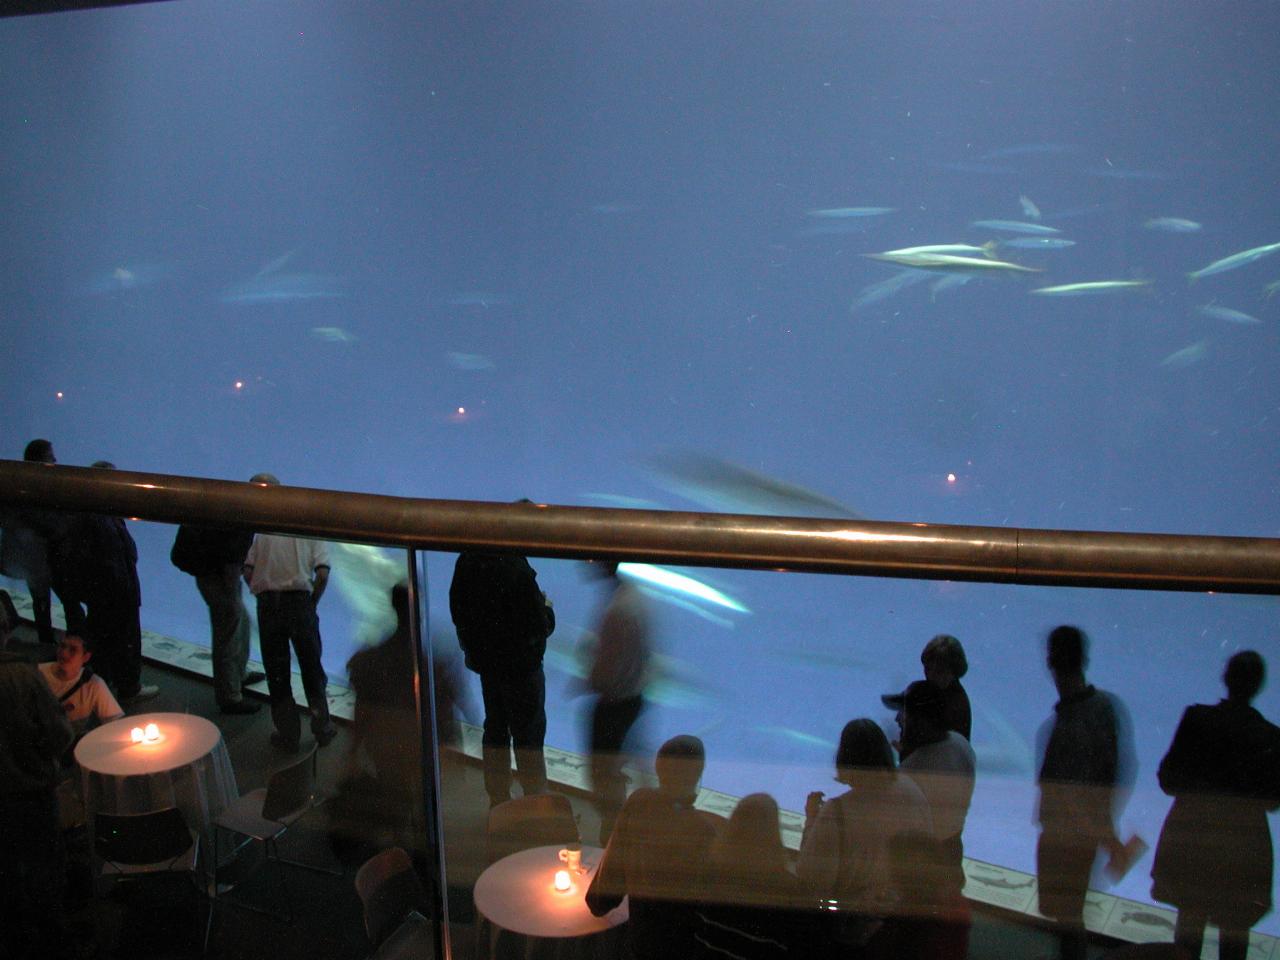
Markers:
point(189, 768)
point(529, 918)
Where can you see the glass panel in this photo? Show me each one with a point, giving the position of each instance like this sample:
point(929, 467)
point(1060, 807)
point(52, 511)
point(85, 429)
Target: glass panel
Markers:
point(767, 668)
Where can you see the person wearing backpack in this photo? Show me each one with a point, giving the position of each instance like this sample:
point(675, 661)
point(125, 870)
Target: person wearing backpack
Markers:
point(216, 558)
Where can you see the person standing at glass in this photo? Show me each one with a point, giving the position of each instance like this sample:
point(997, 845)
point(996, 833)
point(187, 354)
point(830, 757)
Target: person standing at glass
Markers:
point(288, 576)
point(1214, 857)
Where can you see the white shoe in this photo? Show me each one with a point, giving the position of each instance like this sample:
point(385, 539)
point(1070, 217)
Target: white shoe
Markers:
point(144, 692)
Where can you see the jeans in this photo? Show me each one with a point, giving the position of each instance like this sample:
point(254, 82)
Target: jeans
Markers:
point(229, 630)
point(514, 713)
point(284, 617)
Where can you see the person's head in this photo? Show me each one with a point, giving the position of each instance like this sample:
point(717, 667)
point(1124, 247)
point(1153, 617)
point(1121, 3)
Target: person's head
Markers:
point(73, 653)
point(1245, 674)
point(922, 716)
point(944, 661)
point(1068, 651)
point(679, 766)
point(400, 603)
point(863, 746)
point(103, 465)
point(752, 839)
point(601, 569)
point(39, 451)
point(266, 479)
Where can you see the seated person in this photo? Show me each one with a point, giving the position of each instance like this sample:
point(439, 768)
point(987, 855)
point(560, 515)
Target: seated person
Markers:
point(85, 697)
point(654, 856)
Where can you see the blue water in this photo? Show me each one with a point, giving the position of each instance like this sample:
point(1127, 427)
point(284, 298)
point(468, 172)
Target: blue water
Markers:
point(509, 250)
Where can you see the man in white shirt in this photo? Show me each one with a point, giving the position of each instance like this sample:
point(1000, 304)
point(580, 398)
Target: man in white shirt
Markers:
point(86, 699)
point(287, 576)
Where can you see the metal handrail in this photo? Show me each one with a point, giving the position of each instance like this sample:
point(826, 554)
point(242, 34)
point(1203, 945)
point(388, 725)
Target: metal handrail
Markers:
point(868, 548)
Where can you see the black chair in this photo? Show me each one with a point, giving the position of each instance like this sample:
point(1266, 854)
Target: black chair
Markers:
point(537, 820)
point(265, 815)
point(150, 847)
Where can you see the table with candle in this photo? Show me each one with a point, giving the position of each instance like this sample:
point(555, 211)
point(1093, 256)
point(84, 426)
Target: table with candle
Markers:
point(534, 907)
point(154, 761)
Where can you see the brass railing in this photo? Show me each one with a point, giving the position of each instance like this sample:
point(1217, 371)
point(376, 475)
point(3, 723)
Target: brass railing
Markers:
point(867, 548)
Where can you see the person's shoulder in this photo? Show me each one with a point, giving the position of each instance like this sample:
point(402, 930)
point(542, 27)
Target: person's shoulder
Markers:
point(46, 669)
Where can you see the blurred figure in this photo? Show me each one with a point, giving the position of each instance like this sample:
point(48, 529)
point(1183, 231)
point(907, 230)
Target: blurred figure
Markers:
point(84, 696)
point(503, 621)
point(753, 906)
point(1214, 859)
point(34, 733)
point(927, 925)
point(618, 673)
point(944, 664)
point(655, 855)
point(1087, 765)
point(30, 540)
point(844, 853)
point(288, 576)
point(942, 766)
point(216, 559)
point(100, 564)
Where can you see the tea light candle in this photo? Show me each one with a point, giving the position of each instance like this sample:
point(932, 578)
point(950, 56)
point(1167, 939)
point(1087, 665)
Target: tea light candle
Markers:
point(563, 883)
point(152, 733)
point(136, 734)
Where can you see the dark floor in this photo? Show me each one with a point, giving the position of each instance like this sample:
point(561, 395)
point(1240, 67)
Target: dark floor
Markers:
point(328, 923)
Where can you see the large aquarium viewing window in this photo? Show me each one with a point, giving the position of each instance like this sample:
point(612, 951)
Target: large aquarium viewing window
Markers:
point(1005, 264)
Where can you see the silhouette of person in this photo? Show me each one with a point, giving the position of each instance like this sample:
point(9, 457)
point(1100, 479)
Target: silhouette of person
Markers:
point(618, 672)
point(503, 621)
point(1214, 858)
point(655, 855)
point(1087, 763)
point(34, 733)
point(942, 764)
point(28, 552)
point(844, 851)
point(216, 559)
point(100, 562)
point(753, 906)
point(944, 664)
point(288, 576)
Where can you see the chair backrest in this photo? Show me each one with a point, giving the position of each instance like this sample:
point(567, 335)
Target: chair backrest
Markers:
point(389, 889)
point(291, 788)
point(533, 821)
point(141, 838)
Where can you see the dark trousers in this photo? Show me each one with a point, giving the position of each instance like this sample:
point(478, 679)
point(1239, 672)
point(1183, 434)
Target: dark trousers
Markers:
point(33, 867)
point(514, 714)
point(1063, 865)
point(289, 617)
point(229, 630)
point(611, 721)
point(1188, 933)
point(116, 633)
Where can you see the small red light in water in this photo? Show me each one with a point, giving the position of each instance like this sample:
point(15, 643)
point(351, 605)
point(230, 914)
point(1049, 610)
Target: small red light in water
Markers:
point(951, 478)
point(239, 384)
point(462, 411)
point(59, 394)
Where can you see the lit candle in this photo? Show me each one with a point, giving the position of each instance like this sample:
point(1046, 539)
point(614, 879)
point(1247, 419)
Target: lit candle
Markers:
point(562, 881)
point(136, 734)
point(152, 733)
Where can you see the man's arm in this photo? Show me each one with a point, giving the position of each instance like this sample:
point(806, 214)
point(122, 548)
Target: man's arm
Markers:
point(246, 571)
point(319, 583)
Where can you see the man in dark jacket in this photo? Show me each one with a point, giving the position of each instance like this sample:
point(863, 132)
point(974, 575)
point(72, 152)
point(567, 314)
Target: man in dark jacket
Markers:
point(216, 559)
point(34, 733)
point(503, 621)
point(1214, 859)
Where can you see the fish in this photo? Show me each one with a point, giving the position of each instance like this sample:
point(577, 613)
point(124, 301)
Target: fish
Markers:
point(720, 485)
point(1029, 209)
point(1236, 260)
point(619, 501)
point(468, 361)
point(1038, 243)
point(284, 288)
point(797, 736)
point(1172, 225)
point(948, 281)
point(1188, 355)
point(665, 578)
point(123, 278)
point(1111, 172)
point(987, 249)
point(1091, 287)
point(1000, 883)
point(1217, 312)
point(844, 213)
point(948, 263)
point(333, 335)
point(1270, 289)
point(1016, 226)
point(478, 298)
point(1029, 150)
point(1147, 919)
point(364, 576)
point(887, 287)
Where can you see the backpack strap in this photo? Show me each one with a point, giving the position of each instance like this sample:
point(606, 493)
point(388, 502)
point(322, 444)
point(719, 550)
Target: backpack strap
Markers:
point(86, 674)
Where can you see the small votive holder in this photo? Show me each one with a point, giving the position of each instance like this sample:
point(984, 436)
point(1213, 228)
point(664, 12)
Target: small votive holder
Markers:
point(562, 882)
point(136, 734)
point(151, 734)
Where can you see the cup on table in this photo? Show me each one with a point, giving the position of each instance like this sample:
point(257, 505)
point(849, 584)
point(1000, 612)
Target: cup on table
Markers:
point(572, 857)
